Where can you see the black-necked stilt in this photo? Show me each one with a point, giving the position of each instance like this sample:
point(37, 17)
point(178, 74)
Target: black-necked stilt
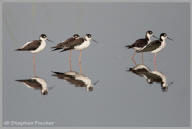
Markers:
point(65, 43)
point(151, 76)
point(140, 70)
point(140, 43)
point(35, 46)
point(155, 46)
point(79, 44)
point(158, 77)
point(36, 83)
point(77, 79)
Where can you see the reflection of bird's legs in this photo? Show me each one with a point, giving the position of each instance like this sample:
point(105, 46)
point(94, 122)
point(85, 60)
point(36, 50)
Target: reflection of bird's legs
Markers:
point(132, 58)
point(80, 57)
point(70, 66)
point(142, 58)
point(154, 62)
point(80, 68)
point(34, 67)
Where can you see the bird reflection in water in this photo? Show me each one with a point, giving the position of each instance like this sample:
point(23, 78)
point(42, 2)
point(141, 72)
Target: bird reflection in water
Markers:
point(36, 83)
point(151, 76)
point(75, 78)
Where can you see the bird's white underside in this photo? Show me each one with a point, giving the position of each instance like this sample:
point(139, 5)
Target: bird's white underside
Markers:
point(84, 45)
point(42, 82)
point(83, 78)
point(162, 76)
point(40, 48)
point(140, 66)
point(163, 44)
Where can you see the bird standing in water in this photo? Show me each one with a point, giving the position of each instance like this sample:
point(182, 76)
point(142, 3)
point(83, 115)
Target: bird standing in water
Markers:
point(155, 47)
point(34, 47)
point(79, 44)
point(65, 43)
point(141, 43)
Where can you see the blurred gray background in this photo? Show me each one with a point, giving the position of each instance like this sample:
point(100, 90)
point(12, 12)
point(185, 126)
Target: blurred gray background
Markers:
point(120, 98)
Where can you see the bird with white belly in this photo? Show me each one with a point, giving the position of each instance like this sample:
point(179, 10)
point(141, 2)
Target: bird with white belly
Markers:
point(155, 47)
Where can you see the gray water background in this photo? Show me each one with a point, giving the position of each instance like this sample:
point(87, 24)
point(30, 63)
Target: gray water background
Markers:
point(120, 98)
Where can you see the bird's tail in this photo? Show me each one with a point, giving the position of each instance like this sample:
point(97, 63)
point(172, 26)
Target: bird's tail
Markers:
point(19, 49)
point(129, 46)
point(20, 80)
point(56, 72)
point(130, 69)
point(54, 49)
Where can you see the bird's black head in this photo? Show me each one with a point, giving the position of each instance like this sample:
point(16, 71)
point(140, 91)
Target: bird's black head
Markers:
point(76, 36)
point(149, 32)
point(88, 35)
point(43, 36)
point(163, 35)
point(90, 89)
point(164, 89)
point(44, 92)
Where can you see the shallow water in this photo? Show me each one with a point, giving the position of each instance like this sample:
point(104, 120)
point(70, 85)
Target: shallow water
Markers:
point(119, 98)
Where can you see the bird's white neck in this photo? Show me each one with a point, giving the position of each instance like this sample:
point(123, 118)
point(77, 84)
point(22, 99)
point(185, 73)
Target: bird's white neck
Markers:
point(148, 36)
point(88, 39)
point(42, 39)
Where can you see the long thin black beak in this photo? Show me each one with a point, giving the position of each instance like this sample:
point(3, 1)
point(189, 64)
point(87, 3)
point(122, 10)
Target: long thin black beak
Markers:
point(170, 39)
point(171, 83)
point(155, 36)
point(95, 41)
point(49, 40)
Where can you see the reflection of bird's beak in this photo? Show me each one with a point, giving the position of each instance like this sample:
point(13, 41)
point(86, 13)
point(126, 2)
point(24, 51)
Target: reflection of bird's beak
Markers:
point(95, 41)
point(155, 36)
point(95, 83)
point(49, 40)
point(170, 39)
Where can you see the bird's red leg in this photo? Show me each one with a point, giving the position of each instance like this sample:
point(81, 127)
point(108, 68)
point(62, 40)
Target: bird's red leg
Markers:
point(34, 67)
point(154, 62)
point(70, 60)
point(142, 58)
point(132, 58)
point(80, 57)
point(80, 68)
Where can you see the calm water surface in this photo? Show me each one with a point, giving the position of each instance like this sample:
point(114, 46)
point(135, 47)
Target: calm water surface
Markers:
point(118, 98)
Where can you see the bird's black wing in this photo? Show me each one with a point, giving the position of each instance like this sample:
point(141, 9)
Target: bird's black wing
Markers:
point(31, 83)
point(154, 77)
point(76, 42)
point(140, 43)
point(64, 76)
point(63, 44)
point(69, 78)
point(31, 46)
point(151, 46)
